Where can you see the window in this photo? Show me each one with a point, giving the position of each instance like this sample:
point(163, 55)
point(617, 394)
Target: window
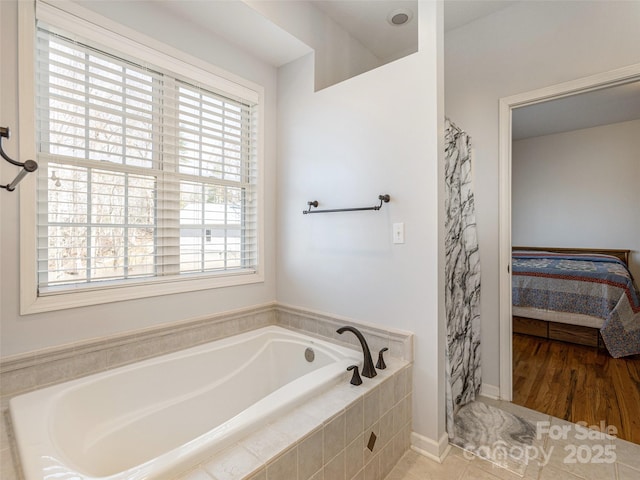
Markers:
point(146, 176)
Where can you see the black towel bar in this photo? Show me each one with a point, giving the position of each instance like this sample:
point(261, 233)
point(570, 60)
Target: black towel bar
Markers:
point(383, 199)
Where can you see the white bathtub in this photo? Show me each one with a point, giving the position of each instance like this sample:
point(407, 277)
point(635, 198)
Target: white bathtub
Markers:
point(156, 418)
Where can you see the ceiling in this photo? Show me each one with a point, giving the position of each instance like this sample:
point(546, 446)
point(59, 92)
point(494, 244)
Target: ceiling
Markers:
point(460, 12)
point(366, 20)
point(598, 107)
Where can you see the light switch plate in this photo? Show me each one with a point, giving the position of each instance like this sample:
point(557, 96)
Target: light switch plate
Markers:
point(398, 232)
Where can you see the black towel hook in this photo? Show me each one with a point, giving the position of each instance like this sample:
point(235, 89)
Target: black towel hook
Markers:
point(27, 167)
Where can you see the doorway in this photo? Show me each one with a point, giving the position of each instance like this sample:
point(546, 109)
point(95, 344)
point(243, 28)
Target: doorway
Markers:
point(507, 106)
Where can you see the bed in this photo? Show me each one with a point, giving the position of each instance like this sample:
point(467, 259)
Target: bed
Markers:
point(584, 296)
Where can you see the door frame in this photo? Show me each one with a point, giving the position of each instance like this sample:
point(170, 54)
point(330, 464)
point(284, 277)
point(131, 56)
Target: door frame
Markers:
point(507, 105)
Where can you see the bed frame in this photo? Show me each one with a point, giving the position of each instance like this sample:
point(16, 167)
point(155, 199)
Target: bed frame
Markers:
point(563, 331)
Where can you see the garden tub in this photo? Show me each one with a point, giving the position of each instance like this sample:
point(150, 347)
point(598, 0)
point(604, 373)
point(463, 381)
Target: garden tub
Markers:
point(156, 418)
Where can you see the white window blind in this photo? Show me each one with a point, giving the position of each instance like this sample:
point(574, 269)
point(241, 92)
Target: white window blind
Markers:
point(143, 174)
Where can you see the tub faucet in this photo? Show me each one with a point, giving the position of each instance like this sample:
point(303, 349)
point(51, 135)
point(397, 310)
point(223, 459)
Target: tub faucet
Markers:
point(368, 370)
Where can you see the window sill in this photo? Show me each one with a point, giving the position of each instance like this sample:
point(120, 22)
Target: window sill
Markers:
point(83, 297)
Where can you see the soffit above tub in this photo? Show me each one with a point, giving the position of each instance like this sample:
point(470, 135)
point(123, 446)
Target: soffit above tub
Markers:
point(592, 109)
point(242, 26)
point(234, 21)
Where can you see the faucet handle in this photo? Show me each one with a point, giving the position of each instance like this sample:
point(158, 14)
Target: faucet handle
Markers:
point(381, 365)
point(355, 380)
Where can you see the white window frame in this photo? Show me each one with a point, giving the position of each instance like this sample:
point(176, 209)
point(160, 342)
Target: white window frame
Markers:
point(111, 35)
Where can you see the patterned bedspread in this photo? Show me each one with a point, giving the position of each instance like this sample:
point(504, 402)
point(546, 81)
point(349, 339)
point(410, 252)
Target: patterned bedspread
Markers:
point(596, 285)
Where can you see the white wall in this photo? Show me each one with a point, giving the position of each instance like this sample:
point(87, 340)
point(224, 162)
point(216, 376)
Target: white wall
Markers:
point(27, 333)
point(579, 189)
point(380, 132)
point(523, 47)
point(343, 146)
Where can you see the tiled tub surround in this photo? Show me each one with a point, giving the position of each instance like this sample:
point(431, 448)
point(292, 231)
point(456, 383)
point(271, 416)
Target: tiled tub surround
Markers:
point(24, 373)
point(328, 437)
point(323, 326)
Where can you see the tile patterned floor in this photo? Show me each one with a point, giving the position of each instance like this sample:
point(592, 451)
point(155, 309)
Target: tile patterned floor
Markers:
point(572, 454)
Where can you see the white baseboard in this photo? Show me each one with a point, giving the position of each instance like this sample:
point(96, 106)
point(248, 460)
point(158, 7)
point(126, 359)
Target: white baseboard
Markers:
point(437, 451)
point(490, 391)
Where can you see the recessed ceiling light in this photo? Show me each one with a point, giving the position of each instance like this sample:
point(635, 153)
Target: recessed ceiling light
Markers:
point(400, 17)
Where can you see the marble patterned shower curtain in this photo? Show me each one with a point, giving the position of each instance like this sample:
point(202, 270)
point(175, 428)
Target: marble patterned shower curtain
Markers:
point(462, 274)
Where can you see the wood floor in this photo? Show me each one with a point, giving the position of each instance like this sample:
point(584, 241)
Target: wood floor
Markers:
point(578, 384)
